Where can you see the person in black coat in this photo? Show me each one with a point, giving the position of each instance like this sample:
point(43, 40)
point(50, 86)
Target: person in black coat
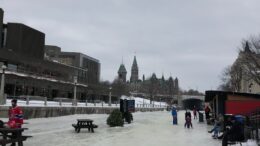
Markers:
point(187, 114)
point(235, 133)
point(188, 123)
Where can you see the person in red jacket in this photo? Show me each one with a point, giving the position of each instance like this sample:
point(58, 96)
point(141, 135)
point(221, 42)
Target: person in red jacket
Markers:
point(15, 116)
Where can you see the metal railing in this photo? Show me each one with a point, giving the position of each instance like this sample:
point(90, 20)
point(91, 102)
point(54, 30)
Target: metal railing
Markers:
point(44, 101)
point(254, 122)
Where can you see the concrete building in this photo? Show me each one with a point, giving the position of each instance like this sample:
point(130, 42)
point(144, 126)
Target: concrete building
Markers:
point(82, 61)
point(32, 68)
point(52, 52)
point(25, 40)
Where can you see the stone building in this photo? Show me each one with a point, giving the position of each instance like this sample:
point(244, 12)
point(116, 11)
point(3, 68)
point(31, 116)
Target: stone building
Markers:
point(152, 86)
point(134, 72)
point(245, 71)
point(122, 73)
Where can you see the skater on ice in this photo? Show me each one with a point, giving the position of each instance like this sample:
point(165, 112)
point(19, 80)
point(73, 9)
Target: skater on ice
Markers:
point(174, 116)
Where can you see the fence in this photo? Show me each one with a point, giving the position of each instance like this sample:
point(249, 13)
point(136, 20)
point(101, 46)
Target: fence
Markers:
point(43, 101)
point(254, 122)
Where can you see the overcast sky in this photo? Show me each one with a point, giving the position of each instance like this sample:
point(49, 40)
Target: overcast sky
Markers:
point(193, 40)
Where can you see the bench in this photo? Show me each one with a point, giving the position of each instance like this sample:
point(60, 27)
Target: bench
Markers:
point(84, 123)
point(19, 140)
point(12, 136)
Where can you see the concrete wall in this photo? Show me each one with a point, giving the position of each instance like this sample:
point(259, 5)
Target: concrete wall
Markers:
point(25, 40)
point(1, 25)
point(40, 112)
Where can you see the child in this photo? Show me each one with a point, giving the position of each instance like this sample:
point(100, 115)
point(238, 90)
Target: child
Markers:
point(188, 123)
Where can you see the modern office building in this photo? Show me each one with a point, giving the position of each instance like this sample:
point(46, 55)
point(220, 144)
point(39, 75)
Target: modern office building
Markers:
point(82, 61)
point(36, 69)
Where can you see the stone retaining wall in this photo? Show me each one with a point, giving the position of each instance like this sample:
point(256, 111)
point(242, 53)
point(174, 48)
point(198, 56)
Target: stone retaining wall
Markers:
point(41, 112)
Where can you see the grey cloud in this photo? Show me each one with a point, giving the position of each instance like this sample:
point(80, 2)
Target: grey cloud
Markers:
point(192, 40)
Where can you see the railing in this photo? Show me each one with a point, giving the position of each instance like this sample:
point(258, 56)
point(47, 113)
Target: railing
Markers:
point(43, 101)
point(254, 122)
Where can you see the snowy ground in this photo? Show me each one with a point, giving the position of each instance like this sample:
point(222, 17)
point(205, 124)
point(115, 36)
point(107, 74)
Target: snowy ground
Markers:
point(148, 129)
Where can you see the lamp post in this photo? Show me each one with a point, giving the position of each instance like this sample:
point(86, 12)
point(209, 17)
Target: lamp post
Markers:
point(75, 90)
point(250, 87)
point(109, 103)
point(160, 102)
point(2, 90)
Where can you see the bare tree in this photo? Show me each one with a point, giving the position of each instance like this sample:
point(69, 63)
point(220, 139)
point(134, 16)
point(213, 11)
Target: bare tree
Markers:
point(246, 66)
point(250, 58)
point(231, 78)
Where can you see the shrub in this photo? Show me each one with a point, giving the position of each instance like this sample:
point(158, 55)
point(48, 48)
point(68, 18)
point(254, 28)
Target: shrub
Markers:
point(115, 118)
point(128, 117)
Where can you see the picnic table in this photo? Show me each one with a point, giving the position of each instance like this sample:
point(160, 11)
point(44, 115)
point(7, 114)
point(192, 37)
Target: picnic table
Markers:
point(12, 135)
point(84, 123)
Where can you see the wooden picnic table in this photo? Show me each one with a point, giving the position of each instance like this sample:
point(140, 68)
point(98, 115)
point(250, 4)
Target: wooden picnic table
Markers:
point(12, 135)
point(84, 123)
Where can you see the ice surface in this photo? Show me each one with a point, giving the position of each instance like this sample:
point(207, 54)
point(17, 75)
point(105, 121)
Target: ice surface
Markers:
point(148, 129)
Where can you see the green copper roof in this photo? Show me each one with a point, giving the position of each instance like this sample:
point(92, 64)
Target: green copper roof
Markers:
point(122, 69)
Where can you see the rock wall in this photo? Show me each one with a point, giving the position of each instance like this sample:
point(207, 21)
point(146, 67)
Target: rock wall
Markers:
point(41, 112)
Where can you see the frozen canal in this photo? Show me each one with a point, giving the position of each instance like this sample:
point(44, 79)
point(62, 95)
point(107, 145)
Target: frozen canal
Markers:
point(148, 129)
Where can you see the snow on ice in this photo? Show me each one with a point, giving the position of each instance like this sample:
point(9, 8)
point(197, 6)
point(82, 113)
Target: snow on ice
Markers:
point(148, 129)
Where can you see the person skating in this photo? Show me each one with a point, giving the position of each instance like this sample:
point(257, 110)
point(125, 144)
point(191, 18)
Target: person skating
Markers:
point(188, 123)
point(207, 111)
point(174, 116)
point(195, 112)
point(187, 113)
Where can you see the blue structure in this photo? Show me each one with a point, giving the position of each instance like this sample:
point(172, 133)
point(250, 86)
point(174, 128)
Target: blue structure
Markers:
point(174, 116)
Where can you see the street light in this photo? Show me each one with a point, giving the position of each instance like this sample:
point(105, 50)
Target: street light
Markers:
point(160, 102)
point(75, 90)
point(109, 103)
point(250, 87)
point(2, 97)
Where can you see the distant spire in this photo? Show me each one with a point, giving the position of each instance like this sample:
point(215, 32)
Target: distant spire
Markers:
point(134, 71)
point(163, 77)
point(247, 48)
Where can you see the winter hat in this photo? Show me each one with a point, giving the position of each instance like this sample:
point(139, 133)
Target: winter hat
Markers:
point(14, 100)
